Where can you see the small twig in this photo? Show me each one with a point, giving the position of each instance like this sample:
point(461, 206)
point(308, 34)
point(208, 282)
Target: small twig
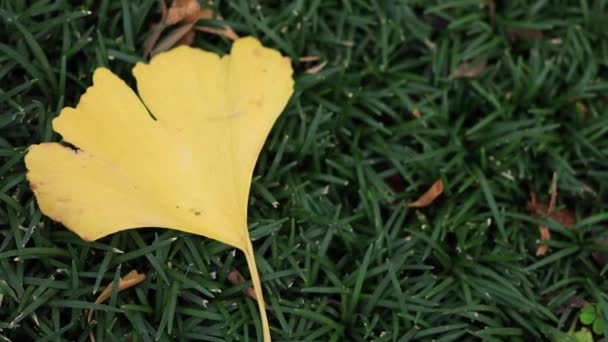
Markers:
point(553, 195)
point(131, 279)
point(309, 58)
point(316, 68)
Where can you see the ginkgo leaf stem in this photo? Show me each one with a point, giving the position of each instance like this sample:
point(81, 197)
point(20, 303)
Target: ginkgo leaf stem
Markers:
point(257, 287)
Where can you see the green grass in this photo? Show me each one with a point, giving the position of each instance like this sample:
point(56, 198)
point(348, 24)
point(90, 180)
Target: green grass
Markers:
point(341, 257)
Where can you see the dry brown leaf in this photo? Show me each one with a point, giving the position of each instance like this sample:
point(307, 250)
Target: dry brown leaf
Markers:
point(236, 278)
point(541, 210)
point(131, 279)
point(545, 235)
point(226, 31)
point(469, 70)
point(316, 68)
point(182, 10)
point(187, 12)
point(524, 34)
point(428, 197)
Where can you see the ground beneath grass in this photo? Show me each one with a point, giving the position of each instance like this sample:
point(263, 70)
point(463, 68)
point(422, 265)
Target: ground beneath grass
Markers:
point(491, 98)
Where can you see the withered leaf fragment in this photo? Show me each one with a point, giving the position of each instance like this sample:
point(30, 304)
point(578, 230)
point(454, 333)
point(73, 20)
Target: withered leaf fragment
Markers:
point(131, 279)
point(429, 196)
point(235, 277)
point(469, 70)
point(184, 14)
point(542, 210)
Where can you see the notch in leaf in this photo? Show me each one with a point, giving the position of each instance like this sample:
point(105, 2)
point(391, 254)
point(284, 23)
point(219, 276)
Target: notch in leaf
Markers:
point(189, 168)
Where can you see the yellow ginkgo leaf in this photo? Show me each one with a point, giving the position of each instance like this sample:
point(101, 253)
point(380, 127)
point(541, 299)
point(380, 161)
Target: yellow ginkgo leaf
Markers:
point(186, 164)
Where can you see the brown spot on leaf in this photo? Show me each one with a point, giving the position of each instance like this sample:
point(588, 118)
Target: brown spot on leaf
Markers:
point(258, 102)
